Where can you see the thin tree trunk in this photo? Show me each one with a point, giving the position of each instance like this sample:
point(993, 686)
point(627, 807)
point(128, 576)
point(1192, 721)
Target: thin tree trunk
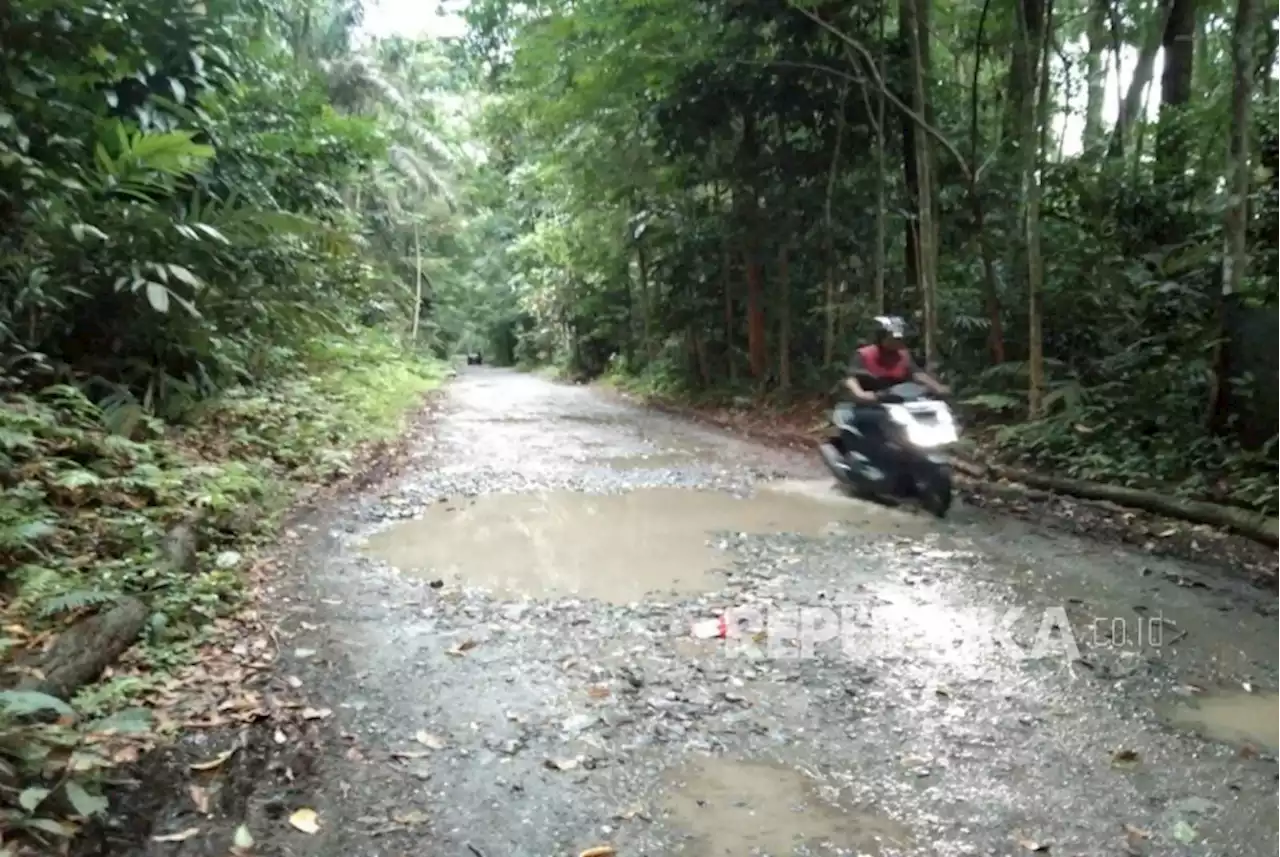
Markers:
point(646, 300)
point(882, 166)
point(1235, 252)
point(1036, 118)
point(990, 289)
point(1130, 108)
point(876, 116)
point(926, 233)
point(829, 239)
point(757, 346)
point(1095, 66)
point(1175, 89)
point(784, 318)
point(417, 284)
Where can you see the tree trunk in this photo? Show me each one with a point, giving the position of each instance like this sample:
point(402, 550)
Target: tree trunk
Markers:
point(882, 166)
point(417, 285)
point(876, 116)
point(1262, 528)
point(1235, 252)
point(757, 346)
point(83, 651)
point(1034, 119)
point(1024, 61)
point(1175, 89)
point(829, 239)
point(925, 232)
point(1131, 107)
point(784, 319)
point(1095, 71)
point(990, 288)
point(757, 349)
point(646, 300)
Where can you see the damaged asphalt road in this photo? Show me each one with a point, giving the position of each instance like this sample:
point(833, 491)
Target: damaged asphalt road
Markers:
point(505, 635)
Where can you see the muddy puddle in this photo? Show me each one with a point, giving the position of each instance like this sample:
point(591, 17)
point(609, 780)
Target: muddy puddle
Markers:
point(740, 808)
point(1233, 718)
point(617, 548)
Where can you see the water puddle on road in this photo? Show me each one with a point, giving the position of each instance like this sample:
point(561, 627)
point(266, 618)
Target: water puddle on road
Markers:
point(737, 808)
point(1233, 718)
point(617, 548)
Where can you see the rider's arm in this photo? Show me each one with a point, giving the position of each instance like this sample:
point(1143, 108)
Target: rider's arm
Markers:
point(851, 384)
point(859, 394)
point(922, 377)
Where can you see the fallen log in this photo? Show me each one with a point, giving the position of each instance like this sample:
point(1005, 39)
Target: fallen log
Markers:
point(83, 651)
point(1253, 525)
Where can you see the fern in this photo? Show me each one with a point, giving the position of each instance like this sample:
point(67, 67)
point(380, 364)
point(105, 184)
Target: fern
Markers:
point(75, 600)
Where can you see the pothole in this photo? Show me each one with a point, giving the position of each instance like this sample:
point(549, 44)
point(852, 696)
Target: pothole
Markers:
point(1233, 718)
point(737, 808)
point(617, 548)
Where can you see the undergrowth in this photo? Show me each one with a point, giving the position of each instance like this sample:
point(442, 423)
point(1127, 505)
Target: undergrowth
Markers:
point(86, 502)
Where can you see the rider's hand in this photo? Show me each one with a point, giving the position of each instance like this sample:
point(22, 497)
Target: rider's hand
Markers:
point(943, 390)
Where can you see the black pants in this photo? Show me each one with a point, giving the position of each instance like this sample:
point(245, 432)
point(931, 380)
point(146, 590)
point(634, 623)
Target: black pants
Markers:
point(873, 425)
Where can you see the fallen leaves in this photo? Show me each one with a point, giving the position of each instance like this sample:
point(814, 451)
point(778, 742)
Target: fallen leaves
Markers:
point(1134, 839)
point(412, 818)
point(430, 741)
point(180, 836)
point(562, 764)
point(241, 841)
point(305, 820)
point(316, 713)
point(1124, 758)
point(1033, 845)
point(459, 649)
point(199, 797)
point(599, 851)
point(216, 762)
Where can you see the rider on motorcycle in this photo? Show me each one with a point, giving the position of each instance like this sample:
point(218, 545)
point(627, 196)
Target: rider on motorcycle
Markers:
point(884, 363)
point(876, 367)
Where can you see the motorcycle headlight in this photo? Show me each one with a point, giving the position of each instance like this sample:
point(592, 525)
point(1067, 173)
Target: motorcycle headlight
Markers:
point(939, 434)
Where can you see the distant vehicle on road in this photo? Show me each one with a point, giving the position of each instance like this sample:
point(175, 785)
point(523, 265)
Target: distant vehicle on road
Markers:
point(475, 359)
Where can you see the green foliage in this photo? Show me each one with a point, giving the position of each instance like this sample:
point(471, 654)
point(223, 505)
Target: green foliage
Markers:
point(664, 175)
point(228, 254)
point(60, 765)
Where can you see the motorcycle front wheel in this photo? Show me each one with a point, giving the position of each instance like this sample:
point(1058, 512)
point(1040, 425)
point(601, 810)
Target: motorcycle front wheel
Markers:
point(933, 486)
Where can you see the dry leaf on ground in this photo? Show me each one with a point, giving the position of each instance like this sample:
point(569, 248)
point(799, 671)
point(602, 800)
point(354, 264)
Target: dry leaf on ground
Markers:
point(426, 739)
point(180, 836)
point(461, 648)
point(242, 841)
point(216, 762)
point(200, 797)
point(599, 851)
point(411, 818)
point(305, 820)
point(561, 764)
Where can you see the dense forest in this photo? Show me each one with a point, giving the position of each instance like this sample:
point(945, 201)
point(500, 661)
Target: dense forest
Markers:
point(715, 197)
point(233, 249)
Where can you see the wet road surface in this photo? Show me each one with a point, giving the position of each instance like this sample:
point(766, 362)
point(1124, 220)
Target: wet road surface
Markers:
point(507, 635)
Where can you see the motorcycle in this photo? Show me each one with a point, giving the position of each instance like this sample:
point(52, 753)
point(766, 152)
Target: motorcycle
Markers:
point(910, 461)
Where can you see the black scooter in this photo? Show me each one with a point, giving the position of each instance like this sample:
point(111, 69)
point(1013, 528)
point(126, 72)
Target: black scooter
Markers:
point(911, 461)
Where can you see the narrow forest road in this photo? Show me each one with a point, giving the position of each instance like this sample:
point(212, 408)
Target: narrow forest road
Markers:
point(574, 707)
